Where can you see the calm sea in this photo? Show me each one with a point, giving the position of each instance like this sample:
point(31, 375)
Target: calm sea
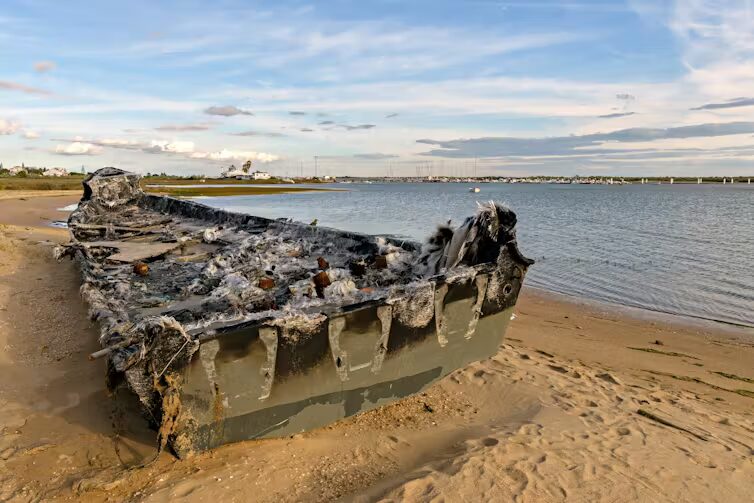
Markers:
point(682, 249)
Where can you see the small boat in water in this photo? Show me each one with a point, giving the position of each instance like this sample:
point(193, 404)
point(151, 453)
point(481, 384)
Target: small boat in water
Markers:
point(475, 189)
point(230, 327)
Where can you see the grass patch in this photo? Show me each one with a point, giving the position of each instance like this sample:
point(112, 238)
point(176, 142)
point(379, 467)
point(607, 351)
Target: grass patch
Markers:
point(734, 376)
point(742, 392)
point(240, 190)
point(41, 183)
point(157, 180)
point(239, 187)
point(666, 353)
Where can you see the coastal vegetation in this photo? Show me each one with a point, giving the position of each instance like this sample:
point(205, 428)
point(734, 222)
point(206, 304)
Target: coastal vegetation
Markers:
point(160, 185)
point(30, 182)
point(164, 179)
point(238, 190)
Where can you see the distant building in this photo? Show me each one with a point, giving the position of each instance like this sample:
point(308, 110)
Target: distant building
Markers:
point(260, 175)
point(16, 170)
point(243, 174)
point(55, 172)
point(233, 172)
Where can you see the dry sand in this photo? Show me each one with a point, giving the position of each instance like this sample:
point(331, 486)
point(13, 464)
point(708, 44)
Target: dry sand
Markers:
point(553, 416)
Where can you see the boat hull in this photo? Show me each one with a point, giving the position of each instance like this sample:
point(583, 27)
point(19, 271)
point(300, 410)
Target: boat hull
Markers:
point(353, 362)
point(229, 327)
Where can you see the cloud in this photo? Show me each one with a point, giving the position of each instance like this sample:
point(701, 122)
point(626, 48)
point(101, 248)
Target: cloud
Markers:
point(735, 102)
point(187, 149)
point(176, 147)
point(14, 86)
point(259, 133)
point(306, 130)
point(183, 127)
point(30, 134)
point(296, 113)
point(227, 155)
point(78, 148)
point(44, 66)
point(390, 116)
point(116, 142)
point(106, 142)
point(717, 41)
point(375, 156)
point(576, 144)
point(615, 115)
point(360, 126)
point(625, 97)
point(326, 123)
point(8, 127)
point(226, 111)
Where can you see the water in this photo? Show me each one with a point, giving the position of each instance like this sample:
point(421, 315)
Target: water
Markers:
point(682, 249)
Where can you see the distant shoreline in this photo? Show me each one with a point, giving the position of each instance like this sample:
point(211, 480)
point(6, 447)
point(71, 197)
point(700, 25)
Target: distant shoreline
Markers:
point(240, 190)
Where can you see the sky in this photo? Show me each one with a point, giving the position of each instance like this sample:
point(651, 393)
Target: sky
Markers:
point(383, 87)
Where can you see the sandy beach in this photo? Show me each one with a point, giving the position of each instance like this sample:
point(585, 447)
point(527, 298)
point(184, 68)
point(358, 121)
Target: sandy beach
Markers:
point(583, 402)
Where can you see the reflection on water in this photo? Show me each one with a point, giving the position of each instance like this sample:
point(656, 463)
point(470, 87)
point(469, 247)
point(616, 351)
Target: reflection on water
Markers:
point(685, 249)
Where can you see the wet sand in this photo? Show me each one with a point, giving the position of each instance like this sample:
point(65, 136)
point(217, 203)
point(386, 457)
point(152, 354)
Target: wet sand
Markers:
point(580, 404)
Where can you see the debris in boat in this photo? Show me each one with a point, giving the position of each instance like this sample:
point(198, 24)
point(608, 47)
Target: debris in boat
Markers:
point(266, 283)
point(321, 281)
point(380, 262)
point(209, 235)
point(358, 267)
point(141, 268)
point(229, 326)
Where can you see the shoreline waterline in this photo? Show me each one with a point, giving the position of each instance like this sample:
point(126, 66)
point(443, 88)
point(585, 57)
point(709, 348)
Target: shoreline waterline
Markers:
point(531, 284)
point(679, 249)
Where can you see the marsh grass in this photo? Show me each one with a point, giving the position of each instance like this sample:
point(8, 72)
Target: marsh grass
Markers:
point(41, 183)
point(240, 190)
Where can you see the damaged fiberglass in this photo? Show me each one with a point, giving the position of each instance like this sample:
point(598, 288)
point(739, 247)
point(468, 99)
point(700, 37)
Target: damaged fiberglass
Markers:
point(230, 327)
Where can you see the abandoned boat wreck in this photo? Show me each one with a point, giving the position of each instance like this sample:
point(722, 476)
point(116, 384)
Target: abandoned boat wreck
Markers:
point(231, 327)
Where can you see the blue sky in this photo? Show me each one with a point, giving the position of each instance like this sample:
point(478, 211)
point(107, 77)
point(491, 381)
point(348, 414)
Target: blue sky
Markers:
point(633, 87)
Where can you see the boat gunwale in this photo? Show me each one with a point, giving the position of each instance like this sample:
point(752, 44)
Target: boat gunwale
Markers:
point(247, 221)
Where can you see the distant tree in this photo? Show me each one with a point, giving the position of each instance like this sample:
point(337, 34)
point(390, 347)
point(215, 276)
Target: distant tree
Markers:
point(22, 174)
point(247, 166)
